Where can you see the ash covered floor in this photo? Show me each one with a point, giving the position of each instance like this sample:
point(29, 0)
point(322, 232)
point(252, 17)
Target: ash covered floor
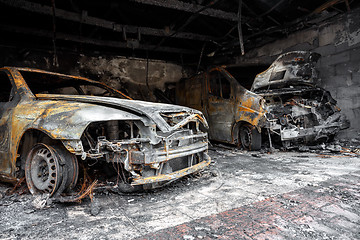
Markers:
point(242, 195)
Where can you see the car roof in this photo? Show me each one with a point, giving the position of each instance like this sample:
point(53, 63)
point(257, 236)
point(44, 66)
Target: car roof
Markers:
point(34, 70)
point(47, 72)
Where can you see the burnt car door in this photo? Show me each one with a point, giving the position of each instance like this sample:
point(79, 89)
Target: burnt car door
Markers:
point(7, 105)
point(220, 106)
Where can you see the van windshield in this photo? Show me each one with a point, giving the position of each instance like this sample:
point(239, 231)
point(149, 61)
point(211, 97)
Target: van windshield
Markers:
point(246, 75)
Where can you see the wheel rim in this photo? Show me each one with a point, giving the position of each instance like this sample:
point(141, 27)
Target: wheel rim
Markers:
point(245, 136)
point(42, 170)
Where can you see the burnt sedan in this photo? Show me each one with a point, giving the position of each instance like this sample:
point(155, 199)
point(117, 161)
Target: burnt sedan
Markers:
point(283, 104)
point(298, 111)
point(50, 124)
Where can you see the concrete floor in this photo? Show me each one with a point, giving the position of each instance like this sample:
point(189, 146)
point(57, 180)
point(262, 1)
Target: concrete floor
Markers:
point(236, 181)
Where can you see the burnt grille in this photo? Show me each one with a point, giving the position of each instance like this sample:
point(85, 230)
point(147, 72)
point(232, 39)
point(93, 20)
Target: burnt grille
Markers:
point(173, 118)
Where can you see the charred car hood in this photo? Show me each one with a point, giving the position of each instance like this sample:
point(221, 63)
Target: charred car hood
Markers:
point(292, 68)
point(153, 111)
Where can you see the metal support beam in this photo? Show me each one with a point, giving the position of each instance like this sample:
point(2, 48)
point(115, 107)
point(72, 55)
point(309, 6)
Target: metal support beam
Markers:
point(241, 39)
point(188, 7)
point(347, 5)
point(98, 22)
point(92, 41)
point(326, 6)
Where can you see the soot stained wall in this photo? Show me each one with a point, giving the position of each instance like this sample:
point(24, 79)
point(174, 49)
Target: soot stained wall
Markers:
point(125, 74)
point(131, 74)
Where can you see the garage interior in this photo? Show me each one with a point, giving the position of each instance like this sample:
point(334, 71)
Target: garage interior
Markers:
point(143, 48)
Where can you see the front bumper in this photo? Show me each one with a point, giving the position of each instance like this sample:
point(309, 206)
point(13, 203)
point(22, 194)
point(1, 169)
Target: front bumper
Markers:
point(170, 152)
point(177, 155)
point(174, 175)
point(331, 126)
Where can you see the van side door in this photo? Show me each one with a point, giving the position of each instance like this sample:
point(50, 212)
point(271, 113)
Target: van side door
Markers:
point(220, 106)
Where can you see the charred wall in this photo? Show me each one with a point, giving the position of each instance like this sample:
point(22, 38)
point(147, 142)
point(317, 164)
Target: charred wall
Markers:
point(338, 41)
point(139, 76)
point(134, 76)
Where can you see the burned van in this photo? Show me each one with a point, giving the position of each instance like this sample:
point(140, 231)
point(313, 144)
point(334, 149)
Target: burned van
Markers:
point(282, 104)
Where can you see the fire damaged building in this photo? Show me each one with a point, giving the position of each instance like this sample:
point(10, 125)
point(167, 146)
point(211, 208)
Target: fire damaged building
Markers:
point(179, 119)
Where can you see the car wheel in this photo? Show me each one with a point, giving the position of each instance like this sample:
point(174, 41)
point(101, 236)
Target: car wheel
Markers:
point(250, 137)
point(48, 169)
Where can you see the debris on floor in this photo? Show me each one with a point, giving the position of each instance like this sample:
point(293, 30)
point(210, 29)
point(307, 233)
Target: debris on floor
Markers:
point(234, 179)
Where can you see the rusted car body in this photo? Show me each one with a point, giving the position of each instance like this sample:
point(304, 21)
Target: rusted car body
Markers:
point(50, 123)
point(233, 111)
point(283, 104)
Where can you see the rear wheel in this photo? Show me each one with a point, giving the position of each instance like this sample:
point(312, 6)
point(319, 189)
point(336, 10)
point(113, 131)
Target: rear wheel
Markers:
point(50, 169)
point(250, 137)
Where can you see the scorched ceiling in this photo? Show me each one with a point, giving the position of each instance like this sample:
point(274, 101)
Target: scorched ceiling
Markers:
point(180, 31)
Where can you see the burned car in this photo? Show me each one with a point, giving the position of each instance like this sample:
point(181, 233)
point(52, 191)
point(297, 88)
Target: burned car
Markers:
point(283, 104)
point(53, 124)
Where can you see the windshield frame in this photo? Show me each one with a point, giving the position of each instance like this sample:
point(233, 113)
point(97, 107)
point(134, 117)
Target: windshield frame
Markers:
point(69, 81)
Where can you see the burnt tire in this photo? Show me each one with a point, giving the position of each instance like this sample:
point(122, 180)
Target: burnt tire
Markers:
point(71, 166)
point(250, 137)
point(49, 170)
